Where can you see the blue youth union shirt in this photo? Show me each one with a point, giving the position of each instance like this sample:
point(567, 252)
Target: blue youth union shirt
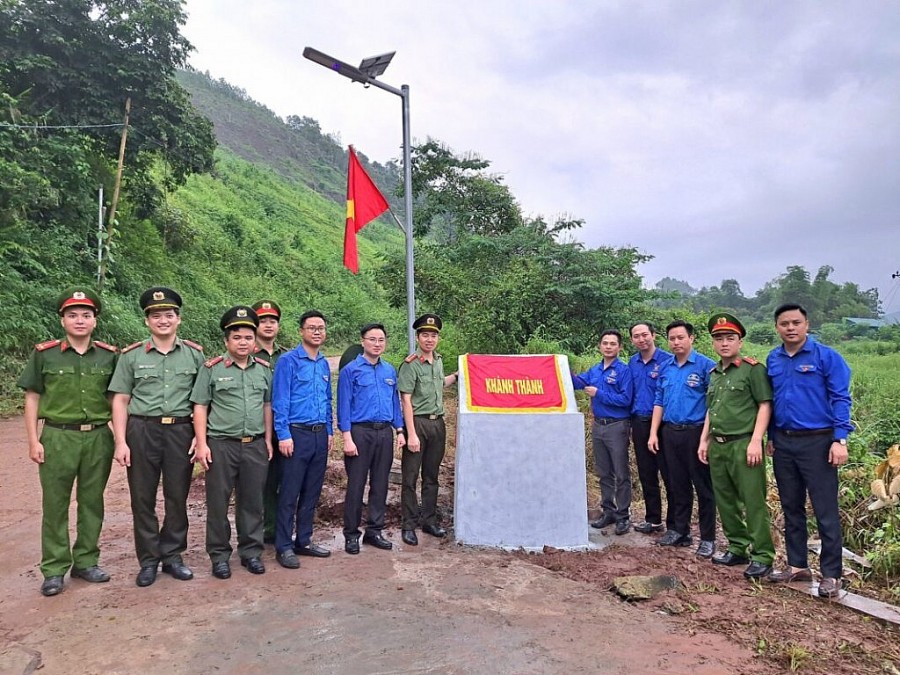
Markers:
point(615, 389)
point(681, 390)
point(368, 393)
point(811, 389)
point(646, 377)
point(301, 392)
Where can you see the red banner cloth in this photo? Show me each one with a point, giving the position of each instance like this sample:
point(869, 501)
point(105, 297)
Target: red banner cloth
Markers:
point(517, 384)
point(364, 204)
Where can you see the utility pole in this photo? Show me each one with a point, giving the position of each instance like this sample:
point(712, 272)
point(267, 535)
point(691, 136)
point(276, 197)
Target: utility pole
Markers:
point(115, 198)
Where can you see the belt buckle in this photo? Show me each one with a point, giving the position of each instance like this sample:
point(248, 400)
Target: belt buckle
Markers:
point(432, 417)
point(86, 427)
point(167, 420)
point(247, 439)
point(719, 439)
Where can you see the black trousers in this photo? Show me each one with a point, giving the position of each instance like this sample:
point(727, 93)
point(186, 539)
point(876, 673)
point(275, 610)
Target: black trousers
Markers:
point(651, 467)
point(801, 467)
point(372, 464)
point(687, 474)
point(159, 450)
point(433, 441)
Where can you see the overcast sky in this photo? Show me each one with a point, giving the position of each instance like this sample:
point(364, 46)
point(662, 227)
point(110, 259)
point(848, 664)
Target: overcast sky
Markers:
point(726, 139)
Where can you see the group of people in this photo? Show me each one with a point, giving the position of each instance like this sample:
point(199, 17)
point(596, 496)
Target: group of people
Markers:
point(257, 417)
point(703, 426)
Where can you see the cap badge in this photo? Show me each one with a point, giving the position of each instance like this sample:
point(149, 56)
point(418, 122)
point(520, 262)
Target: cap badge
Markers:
point(430, 321)
point(721, 321)
point(78, 295)
point(159, 295)
point(267, 305)
point(242, 313)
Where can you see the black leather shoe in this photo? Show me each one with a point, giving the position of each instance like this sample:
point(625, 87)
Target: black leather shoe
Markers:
point(606, 520)
point(178, 570)
point(623, 526)
point(729, 559)
point(409, 537)
point(221, 569)
point(434, 530)
point(312, 550)
point(757, 570)
point(52, 586)
point(288, 560)
point(94, 574)
point(254, 565)
point(673, 538)
point(146, 576)
point(706, 549)
point(351, 546)
point(377, 541)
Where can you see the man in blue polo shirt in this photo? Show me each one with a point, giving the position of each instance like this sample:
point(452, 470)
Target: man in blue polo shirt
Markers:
point(301, 406)
point(646, 366)
point(808, 442)
point(368, 412)
point(679, 409)
point(610, 387)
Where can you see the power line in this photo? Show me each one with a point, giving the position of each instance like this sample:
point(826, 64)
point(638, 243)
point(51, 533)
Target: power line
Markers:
point(58, 126)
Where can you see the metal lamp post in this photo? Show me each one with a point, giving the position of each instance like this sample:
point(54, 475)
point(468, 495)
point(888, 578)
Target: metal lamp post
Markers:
point(366, 73)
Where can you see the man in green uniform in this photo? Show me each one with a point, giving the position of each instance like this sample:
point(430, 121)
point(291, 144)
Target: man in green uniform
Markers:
point(421, 382)
point(233, 426)
point(151, 411)
point(740, 406)
point(269, 314)
point(65, 385)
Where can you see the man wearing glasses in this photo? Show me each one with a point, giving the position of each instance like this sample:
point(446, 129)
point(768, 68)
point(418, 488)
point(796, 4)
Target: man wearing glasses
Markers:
point(301, 405)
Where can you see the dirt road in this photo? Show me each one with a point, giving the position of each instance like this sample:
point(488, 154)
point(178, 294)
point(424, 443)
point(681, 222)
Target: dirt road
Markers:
point(435, 608)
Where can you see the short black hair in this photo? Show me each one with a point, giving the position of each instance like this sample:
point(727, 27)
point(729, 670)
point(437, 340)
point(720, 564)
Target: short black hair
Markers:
point(790, 307)
point(231, 329)
point(372, 326)
point(311, 314)
point(649, 325)
point(611, 331)
point(679, 323)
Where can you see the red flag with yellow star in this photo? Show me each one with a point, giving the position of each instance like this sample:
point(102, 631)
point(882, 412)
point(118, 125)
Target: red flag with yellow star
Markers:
point(364, 204)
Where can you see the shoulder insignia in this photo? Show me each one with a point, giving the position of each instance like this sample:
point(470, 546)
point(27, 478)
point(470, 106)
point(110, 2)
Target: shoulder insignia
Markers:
point(410, 358)
point(262, 362)
point(189, 343)
point(107, 347)
point(131, 346)
point(47, 345)
point(751, 360)
point(211, 362)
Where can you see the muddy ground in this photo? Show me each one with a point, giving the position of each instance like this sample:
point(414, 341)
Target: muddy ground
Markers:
point(435, 608)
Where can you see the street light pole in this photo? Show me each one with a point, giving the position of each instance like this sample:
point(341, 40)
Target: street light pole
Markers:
point(366, 74)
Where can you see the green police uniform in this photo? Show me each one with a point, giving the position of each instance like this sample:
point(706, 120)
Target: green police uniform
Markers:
point(734, 395)
point(78, 445)
point(240, 461)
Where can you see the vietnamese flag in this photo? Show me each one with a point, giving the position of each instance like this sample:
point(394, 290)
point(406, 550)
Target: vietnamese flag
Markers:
point(364, 204)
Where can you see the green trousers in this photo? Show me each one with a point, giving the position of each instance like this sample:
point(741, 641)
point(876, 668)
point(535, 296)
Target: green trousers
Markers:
point(740, 492)
point(83, 458)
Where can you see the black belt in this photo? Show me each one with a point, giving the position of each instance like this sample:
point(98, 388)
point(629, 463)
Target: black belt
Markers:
point(74, 427)
point(429, 417)
point(806, 432)
point(239, 439)
point(682, 427)
point(727, 438)
point(372, 425)
point(164, 420)
point(642, 418)
point(610, 420)
point(308, 427)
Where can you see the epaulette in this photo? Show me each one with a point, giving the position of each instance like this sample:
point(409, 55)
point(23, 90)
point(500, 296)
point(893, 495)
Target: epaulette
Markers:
point(751, 360)
point(132, 346)
point(410, 358)
point(199, 348)
point(262, 362)
point(47, 345)
point(211, 362)
point(107, 347)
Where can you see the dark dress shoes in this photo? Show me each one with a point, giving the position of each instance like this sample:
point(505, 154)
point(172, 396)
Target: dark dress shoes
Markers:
point(146, 576)
point(312, 550)
point(409, 537)
point(377, 541)
point(673, 538)
point(178, 570)
point(646, 527)
point(52, 586)
point(288, 559)
point(351, 546)
point(606, 520)
point(222, 570)
point(254, 565)
point(757, 570)
point(434, 530)
point(786, 576)
point(729, 559)
point(93, 574)
point(623, 526)
point(830, 587)
point(706, 549)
